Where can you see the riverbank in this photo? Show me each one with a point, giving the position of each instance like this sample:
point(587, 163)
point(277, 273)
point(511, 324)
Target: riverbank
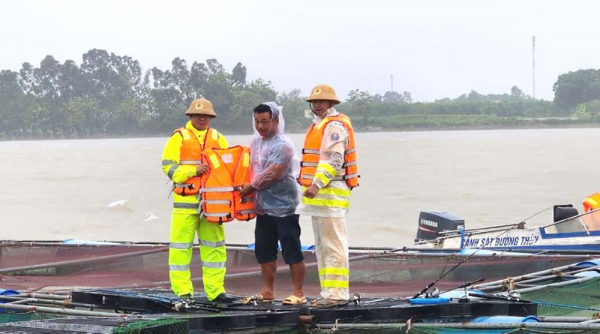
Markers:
point(391, 124)
point(469, 122)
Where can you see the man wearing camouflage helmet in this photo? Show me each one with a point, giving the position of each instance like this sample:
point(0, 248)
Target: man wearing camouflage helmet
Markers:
point(328, 173)
point(181, 162)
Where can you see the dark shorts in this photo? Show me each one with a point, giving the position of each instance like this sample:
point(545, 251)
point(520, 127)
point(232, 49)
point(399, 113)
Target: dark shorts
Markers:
point(269, 230)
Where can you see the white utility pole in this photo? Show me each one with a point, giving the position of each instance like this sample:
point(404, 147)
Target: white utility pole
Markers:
point(533, 41)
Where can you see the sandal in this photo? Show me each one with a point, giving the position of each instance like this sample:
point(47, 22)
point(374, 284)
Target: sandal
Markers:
point(322, 302)
point(256, 299)
point(294, 300)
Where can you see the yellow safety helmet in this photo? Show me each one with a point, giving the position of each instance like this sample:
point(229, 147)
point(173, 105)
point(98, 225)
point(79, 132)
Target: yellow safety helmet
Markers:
point(323, 92)
point(201, 106)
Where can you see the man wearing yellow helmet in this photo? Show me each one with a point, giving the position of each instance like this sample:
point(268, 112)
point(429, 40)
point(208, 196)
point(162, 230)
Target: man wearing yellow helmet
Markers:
point(328, 172)
point(181, 162)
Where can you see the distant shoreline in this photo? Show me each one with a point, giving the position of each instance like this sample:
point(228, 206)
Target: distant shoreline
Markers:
point(484, 127)
point(530, 126)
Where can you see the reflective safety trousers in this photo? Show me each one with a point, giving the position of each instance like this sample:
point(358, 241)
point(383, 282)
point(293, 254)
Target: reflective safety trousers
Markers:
point(213, 256)
point(331, 244)
point(220, 193)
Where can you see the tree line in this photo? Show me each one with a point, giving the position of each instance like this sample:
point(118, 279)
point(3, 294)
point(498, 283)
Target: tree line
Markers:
point(109, 95)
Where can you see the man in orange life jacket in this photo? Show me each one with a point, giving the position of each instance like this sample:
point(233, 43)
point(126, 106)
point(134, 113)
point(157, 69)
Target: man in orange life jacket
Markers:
point(272, 157)
point(181, 162)
point(328, 172)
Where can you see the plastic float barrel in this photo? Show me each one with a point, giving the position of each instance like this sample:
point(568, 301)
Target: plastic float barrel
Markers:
point(589, 263)
point(592, 273)
point(6, 293)
point(506, 319)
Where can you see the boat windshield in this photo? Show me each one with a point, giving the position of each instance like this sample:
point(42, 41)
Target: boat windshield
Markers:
point(587, 222)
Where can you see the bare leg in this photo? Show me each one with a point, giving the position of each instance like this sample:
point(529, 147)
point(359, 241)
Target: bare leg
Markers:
point(268, 275)
point(298, 270)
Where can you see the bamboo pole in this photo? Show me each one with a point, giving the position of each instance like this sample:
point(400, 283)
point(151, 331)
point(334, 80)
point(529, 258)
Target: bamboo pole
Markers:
point(43, 295)
point(64, 303)
point(497, 284)
point(54, 310)
point(532, 276)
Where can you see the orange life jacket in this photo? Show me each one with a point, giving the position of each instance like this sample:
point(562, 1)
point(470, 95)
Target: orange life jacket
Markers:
point(191, 154)
point(312, 149)
point(229, 170)
point(591, 202)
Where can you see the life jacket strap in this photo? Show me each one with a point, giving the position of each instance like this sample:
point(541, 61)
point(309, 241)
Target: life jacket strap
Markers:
point(310, 151)
point(190, 162)
point(216, 201)
point(217, 214)
point(217, 189)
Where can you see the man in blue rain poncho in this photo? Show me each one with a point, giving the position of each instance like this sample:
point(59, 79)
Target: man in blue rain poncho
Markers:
point(277, 195)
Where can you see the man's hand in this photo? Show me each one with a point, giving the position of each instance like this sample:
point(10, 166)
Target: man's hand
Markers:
point(201, 169)
point(311, 191)
point(246, 190)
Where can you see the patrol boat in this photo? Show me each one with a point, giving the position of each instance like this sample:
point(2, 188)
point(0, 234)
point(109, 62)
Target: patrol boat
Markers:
point(569, 231)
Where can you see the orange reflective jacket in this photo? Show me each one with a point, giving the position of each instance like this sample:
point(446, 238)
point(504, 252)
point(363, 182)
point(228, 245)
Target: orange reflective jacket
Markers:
point(312, 150)
point(191, 154)
point(229, 170)
point(591, 202)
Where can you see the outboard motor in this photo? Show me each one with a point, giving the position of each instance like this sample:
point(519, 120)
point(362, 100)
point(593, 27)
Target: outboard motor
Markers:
point(431, 222)
point(561, 212)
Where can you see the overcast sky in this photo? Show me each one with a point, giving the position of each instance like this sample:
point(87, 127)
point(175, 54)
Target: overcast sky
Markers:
point(434, 49)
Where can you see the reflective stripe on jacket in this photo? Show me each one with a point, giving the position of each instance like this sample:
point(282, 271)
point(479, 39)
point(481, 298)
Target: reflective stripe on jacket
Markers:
point(220, 193)
point(191, 154)
point(310, 166)
point(181, 173)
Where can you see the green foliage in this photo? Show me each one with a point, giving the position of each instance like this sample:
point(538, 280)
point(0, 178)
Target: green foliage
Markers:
point(588, 111)
point(577, 87)
point(516, 92)
point(238, 75)
point(110, 95)
point(361, 102)
point(245, 100)
point(294, 109)
point(442, 122)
